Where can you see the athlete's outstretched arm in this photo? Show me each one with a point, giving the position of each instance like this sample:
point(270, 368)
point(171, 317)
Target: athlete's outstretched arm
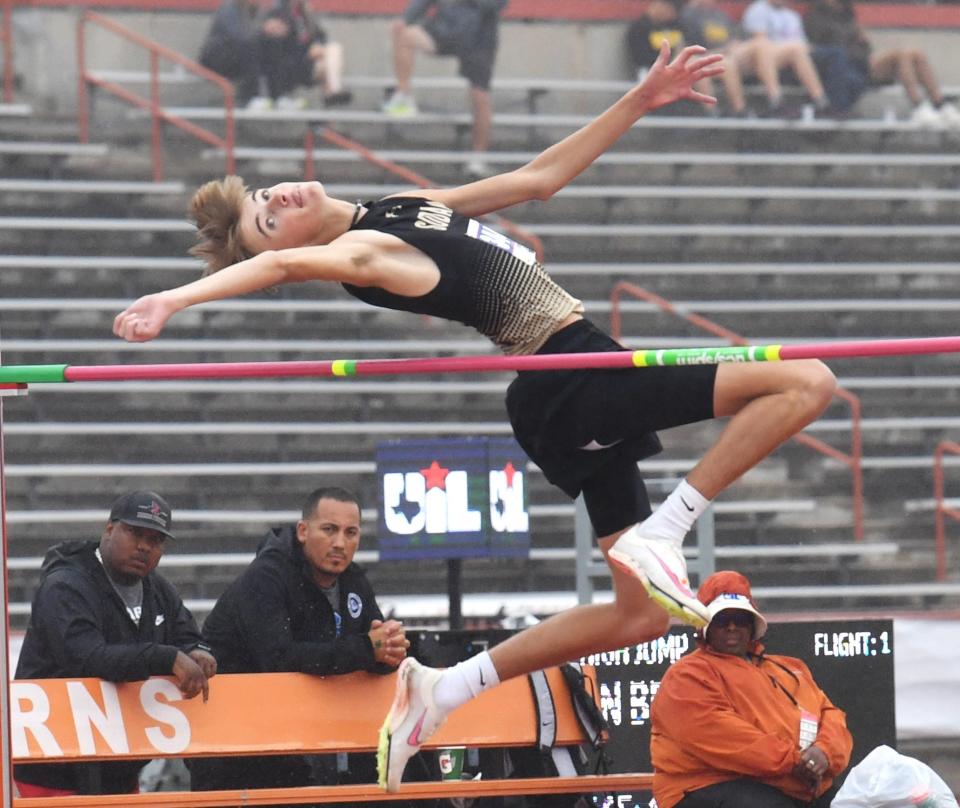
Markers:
point(666, 82)
point(347, 260)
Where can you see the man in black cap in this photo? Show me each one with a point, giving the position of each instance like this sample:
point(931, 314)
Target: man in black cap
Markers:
point(102, 611)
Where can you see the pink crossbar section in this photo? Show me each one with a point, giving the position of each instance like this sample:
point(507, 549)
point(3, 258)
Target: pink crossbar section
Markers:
point(852, 349)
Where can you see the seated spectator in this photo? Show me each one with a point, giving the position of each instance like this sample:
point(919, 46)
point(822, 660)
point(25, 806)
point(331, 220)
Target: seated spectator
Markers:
point(101, 610)
point(705, 23)
point(660, 21)
point(467, 29)
point(783, 27)
point(834, 23)
point(232, 48)
point(296, 52)
point(301, 606)
point(732, 726)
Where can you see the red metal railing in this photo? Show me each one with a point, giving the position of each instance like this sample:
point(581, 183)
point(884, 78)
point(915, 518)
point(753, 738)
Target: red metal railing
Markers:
point(853, 460)
point(309, 172)
point(152, 104)
point(941, 509)
point(6, 42)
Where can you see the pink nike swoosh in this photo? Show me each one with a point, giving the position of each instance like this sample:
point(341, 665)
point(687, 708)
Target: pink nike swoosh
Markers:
point(414, 738)
point(677, 582)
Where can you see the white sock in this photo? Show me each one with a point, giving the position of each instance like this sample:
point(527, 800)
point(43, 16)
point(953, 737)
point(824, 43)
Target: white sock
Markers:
point(676, 514)
point(465, 681)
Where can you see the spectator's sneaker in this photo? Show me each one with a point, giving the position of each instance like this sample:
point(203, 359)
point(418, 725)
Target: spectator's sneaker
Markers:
point(400, 105)
point(662, 570)
point(950, 115)
point(926, 117)
point(288, 103)
point(259, 103)
point(413, 718)
point(338, 99)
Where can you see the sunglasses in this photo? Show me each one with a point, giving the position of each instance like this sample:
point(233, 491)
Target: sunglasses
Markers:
point(738, 617)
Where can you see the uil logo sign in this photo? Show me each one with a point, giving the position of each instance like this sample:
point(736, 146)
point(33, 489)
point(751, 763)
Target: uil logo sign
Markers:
point(452, 499)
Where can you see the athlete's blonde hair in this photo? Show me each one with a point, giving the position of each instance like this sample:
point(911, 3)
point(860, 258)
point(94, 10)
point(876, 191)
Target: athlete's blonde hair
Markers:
point(215, 209)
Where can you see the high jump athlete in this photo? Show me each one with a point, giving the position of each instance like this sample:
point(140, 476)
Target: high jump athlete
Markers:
point(424, 251)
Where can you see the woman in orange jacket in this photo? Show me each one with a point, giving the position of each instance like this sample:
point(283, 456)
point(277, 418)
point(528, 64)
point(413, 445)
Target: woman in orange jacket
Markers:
point(732, 726)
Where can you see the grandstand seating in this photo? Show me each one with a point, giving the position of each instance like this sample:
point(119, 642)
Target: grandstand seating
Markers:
point(780, 231)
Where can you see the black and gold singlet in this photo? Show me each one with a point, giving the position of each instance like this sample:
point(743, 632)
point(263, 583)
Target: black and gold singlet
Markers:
point(487, 281)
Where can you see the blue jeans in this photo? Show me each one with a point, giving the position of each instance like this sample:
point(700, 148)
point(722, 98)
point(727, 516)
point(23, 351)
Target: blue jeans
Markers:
point(843, 81)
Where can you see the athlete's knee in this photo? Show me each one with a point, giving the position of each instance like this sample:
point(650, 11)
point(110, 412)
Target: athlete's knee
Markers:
point(814, 385)
point(822, 384)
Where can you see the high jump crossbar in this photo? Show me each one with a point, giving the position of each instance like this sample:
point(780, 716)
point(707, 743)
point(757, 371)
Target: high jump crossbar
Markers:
point(31, 374)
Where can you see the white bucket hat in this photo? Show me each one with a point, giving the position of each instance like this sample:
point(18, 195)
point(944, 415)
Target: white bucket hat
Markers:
point(732, 600)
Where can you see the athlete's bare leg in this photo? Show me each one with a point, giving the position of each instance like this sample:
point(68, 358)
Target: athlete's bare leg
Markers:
point(769, 404)
point(629, 619)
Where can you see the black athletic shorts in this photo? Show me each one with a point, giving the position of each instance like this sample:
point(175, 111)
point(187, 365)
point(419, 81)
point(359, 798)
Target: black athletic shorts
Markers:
point(586, 429)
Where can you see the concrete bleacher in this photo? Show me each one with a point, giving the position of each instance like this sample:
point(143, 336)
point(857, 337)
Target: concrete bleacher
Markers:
point(24, 148)
point(856, 236)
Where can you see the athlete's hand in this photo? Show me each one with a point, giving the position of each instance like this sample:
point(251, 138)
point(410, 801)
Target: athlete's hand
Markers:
point(144, 319)
point(668, 81)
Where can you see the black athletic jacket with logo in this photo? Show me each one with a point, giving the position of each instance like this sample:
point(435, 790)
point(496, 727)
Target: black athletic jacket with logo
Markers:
point(79, 627)
point(275, 618)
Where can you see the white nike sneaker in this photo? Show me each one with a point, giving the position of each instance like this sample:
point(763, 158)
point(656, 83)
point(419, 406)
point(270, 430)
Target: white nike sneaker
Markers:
point(413, 718)
point(662, 570)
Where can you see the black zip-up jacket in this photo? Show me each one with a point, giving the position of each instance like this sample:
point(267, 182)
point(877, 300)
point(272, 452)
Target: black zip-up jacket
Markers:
point(79, 627)
point(274, 617)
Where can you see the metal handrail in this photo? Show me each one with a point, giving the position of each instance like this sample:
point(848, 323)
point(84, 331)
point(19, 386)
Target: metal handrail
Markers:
point(337, 139)
point(941, 509)
point(6, 42)
point(152, 104)
point(853, 460)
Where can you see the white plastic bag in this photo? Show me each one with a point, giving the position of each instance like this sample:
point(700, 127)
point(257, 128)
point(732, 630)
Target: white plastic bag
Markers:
point(887, 779)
